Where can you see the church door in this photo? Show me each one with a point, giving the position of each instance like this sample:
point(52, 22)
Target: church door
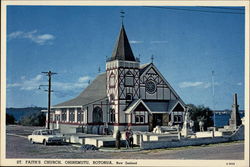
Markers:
point(157, 120)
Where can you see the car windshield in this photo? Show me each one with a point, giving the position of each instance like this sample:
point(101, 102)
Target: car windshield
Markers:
point(48, 132)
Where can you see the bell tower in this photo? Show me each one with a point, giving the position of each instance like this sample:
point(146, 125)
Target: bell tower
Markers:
point(122, 70)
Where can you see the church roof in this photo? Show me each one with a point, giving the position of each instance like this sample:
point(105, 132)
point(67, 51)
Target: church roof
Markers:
point(143, 67)
point(94, 92)
point(122, 50)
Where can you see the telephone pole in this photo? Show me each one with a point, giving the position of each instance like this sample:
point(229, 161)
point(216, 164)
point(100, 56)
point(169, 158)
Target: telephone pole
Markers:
point(49, 74)
point(213, 98)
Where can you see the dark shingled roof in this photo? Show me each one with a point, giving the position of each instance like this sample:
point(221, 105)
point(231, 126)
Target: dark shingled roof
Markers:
point(95, 91)
point(122, 50)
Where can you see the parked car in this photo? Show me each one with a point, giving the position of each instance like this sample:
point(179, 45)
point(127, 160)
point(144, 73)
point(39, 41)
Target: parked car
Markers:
point(45, 136)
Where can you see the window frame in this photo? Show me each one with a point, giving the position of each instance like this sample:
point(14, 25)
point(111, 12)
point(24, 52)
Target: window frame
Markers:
point(127, 76)
point(71, 115)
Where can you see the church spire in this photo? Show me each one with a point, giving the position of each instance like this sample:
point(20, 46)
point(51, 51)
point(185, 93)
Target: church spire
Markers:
point(122, 50)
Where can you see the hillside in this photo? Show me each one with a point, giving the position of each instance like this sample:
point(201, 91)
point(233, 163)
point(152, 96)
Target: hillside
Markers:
point(18, 113)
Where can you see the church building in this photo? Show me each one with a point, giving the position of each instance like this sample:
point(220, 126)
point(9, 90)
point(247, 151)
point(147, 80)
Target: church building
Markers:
point(128, 94)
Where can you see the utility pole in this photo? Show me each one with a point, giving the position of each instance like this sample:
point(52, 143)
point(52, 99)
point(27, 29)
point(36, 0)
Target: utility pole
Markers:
point(213, 97)
point(49, 74)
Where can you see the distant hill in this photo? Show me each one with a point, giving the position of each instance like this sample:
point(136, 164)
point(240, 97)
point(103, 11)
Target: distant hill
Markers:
point(18, 113)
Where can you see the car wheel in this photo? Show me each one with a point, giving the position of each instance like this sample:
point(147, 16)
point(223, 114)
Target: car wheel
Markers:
point(44, 142)
point(31, 141)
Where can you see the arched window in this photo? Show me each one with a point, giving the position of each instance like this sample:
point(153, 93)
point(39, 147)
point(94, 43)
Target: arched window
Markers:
point(112, 116)
point(129, 79)
point(97, 115)
point(112, 80)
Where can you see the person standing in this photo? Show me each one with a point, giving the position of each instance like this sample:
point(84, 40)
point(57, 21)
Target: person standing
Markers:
point(118, 139)
point(127, 135)
point(131, 139)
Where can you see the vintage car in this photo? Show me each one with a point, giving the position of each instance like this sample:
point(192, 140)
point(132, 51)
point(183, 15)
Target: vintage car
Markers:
point(45, 136)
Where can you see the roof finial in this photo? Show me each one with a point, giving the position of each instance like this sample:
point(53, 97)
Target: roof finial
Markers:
point(122, 15)
point(152, 58)
point(99, 69)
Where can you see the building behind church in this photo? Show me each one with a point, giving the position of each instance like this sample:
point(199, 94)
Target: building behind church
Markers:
point(128, 94)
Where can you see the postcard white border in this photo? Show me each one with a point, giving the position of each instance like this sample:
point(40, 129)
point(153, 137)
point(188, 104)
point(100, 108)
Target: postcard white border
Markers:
point(193, 163)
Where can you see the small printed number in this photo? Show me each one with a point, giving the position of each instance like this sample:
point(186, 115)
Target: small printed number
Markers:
point(230, 163)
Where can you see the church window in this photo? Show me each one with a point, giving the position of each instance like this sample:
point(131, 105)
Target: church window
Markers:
point(150, 86)
point(129, 79)
point(97, 115)
point(64, 114)
point(79, 115)
point(112, 80)
point(71, 114)
point(111, 98)
point(177, 118)
point(51, 117)
point(112, 116)
point(139, 118)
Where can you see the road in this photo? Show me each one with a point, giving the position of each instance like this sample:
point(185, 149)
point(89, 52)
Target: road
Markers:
point(19, 147)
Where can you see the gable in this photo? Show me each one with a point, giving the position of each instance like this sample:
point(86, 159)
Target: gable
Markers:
point(150, 72)
point(140, 107)
point(178, 107)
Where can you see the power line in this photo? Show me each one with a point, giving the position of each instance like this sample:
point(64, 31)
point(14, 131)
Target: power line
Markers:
point(226, 8)
point(192, 10)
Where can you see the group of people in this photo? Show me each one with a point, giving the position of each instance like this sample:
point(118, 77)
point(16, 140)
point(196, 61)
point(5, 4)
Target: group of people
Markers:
point(128, 136)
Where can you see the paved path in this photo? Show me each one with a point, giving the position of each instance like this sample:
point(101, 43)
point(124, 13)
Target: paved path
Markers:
point(19, 147)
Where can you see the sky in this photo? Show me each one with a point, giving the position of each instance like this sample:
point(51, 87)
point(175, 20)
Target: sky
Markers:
point(74, 41)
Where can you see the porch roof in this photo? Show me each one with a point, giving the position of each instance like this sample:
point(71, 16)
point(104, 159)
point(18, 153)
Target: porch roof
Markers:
point(134, 104)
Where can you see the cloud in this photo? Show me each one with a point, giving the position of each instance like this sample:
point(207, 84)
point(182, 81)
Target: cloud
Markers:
point(190, 84)
point(34, 83)
point(135, 42)
point(158, 42)
point(34, 36)
point(30, 84)
point(239, 83)
point(187, 84)
point(84, 79)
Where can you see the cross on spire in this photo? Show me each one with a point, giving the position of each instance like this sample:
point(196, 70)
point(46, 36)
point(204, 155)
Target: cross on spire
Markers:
point(122, 15)
point(99, 69)
point(152, 58)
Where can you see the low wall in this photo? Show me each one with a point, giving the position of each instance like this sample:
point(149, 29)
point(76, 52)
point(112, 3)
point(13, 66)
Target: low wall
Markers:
point(237, 135)
point(180, 143)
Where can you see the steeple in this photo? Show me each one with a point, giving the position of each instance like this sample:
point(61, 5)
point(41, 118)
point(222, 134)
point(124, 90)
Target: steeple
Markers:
point(122, 50)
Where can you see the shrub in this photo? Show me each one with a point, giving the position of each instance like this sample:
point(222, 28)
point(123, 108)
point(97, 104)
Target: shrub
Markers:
point(34, 119)
point(10, 119)
point(201, 113)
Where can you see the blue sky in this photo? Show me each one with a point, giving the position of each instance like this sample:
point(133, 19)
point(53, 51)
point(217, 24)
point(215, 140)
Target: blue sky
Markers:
point(75, 41)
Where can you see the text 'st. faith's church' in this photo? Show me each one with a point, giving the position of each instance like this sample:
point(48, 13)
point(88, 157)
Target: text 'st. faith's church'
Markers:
point(126, 95)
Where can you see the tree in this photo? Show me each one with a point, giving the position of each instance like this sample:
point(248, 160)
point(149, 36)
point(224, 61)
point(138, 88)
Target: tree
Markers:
point(10, 119)
point(201, 113)
point(34, 119)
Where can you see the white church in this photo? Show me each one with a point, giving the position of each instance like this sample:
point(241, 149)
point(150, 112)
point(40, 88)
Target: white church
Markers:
point(128, 94)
